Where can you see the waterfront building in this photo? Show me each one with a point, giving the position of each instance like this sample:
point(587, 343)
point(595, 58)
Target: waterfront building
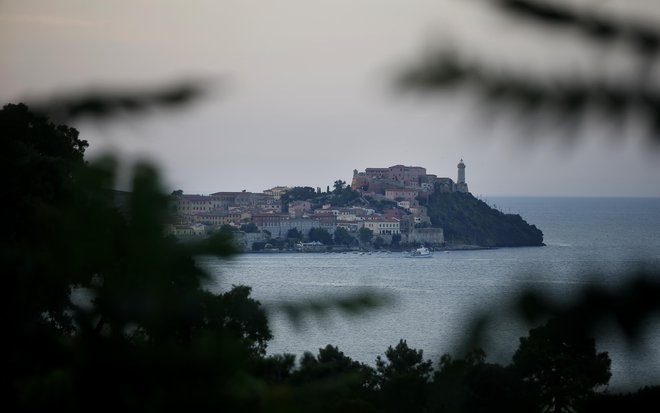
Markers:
point(267, 221)
point(326, 221)
point(218, 217)
point(383, 226)
point(301, 224)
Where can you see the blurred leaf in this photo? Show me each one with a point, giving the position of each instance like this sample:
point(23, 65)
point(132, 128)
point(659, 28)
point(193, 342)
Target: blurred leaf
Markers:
point(644, 37)
point(563, 98)
point(321, 308)
point(108, 103)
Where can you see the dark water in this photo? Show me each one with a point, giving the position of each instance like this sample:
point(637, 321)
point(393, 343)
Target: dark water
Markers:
point(587, 239)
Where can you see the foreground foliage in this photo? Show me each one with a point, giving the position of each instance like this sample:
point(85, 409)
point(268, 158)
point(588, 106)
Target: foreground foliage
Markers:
point(97, 298)
point(102, 311)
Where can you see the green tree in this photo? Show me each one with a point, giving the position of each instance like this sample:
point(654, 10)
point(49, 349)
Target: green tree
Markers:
point(227, 230)
point(330, 363)
point(276, 369)
point(321, 235)
point(380, 206)
point(299, 193)
point(365, 234)
point(343, 237)
point(250, 227)
point(345, 197)
point(642, 400)
point(561, 365)
point(241, 316)
point(37, 162)
point(338, 186)
point(403, 377)
point(470, 384)
point(379, 242)
point(295, 234)
point(258, 246)
point(333, 382)
point(103, 294)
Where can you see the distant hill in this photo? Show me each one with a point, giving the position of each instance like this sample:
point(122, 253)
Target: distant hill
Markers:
point(470, 221)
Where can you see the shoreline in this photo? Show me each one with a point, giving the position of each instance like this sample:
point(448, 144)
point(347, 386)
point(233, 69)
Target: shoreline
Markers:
point(331, 249)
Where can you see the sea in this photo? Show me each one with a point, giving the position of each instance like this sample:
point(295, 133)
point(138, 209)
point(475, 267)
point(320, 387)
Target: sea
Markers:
point(433, 303)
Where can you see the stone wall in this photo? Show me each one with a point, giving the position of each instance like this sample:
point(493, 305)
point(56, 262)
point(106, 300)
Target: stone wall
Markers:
point(431, 236)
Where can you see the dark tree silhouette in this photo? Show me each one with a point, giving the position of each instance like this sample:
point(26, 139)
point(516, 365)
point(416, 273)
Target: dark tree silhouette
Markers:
point(343, 237)
point(97, 299)
point(403, 378)
point(320, 235)
point(250, 227)
point(471, 384)
point(338, 186)
point(562, 366)
point(365, 234)
point(295, 234)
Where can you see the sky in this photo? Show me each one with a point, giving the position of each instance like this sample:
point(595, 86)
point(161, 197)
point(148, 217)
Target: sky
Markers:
point(301, 92)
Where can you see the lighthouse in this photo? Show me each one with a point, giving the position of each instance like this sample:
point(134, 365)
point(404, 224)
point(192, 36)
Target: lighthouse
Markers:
point(461, 185)
point(461, 172)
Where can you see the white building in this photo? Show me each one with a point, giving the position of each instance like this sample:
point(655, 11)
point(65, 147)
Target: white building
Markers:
point(383, 226)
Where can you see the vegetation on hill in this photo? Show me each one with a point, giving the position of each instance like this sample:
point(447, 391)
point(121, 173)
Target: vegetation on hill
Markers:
point(470, 221)
point(341, 196)
point(298, 193)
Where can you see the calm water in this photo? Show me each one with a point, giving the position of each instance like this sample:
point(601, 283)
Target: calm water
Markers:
point(435, 298)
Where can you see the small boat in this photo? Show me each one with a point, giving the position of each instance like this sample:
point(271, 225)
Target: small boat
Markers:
point(420, 253)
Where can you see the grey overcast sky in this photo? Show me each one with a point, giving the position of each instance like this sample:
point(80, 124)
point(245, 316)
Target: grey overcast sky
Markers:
point(304, 92)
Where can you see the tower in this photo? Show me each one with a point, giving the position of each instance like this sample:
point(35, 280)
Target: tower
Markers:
point(461, 185)
point(461, 172)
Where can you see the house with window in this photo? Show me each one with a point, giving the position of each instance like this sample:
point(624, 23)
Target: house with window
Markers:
point(383, 226)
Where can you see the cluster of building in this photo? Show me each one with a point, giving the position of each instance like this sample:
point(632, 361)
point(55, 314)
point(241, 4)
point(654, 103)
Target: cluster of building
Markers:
point(398, 184)
point(406, 182)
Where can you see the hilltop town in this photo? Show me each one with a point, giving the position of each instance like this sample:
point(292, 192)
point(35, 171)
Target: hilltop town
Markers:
point(381, 208)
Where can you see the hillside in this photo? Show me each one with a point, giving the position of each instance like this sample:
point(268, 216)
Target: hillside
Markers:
point(468, 220)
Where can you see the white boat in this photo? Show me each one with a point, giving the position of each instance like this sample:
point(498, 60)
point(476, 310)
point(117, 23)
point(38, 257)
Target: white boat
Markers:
point(420, 253)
